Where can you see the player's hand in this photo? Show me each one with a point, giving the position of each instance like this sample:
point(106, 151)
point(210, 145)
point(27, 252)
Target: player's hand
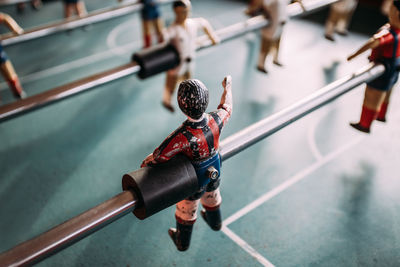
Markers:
point(19, 31)
point(350, 57)
point(215, 40)
point(227, 82)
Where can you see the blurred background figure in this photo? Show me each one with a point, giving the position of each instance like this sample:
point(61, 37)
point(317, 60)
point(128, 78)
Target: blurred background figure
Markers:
point(151, 18)
point(36, 4)
point(339, 18)
point(7, 69)
point(276, 12)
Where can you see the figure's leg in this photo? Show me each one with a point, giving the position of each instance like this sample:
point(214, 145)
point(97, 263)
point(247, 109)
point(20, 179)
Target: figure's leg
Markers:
point(330, 23)
point(146, 33)
point(80, 9)
point(170, 85)
point(185, 215)
point(36, 4)
point(276, 44)
point(373, 100)
point(20, 7)
point(158, 26)
point(341, 25)
point(383, 109)
point(385, 7)
point(211, 202)
point(266, 46)
point(344, 21)
point(68, 8)
point(12, 79)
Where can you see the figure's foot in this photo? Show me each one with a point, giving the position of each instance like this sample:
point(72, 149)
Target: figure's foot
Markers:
point(168, 106)
point(36, 5)
point(343, 33)
point(276, 62)
point(173, 234)
point(359, 127)
point(213, 219)
point(381, 119)
point(329, 37)
point(22, 95)
point(262, 69)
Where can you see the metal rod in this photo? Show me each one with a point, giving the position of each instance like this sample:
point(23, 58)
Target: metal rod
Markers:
point(23, 106)
point(94, 219)
point(51, 96)
point(266, 127)
point(69, 232)
point(258, 22)
point(59, 26)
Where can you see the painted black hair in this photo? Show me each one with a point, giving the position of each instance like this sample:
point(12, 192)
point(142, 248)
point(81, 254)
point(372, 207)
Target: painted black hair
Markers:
point(193, 98)
point(179, 3)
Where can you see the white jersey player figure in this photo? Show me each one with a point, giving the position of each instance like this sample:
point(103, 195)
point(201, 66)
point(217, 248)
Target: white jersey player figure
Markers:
point(339, 18)
point(182, 34)
point(276, 12)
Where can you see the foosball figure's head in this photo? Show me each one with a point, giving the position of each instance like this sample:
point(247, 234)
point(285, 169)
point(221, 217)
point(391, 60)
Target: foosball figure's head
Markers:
point(193, 98)
point(182, 10)
point(394, 14)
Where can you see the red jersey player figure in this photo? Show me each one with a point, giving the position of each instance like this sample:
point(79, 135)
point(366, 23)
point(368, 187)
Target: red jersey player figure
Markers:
point(276, 12)
point(6, 67)
point(198, 139)
point(182, 34)
point(386, 50)
point(151, 17)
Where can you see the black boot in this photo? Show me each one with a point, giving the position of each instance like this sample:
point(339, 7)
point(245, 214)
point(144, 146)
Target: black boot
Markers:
point(213, 218)
point(181, 235)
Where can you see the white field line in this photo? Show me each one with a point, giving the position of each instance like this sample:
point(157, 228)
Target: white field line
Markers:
point(287, 184)
point(246, 247)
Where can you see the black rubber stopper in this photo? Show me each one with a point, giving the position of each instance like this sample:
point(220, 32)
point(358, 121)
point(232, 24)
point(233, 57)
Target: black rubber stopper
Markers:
point(156, 59)
point(161, 186)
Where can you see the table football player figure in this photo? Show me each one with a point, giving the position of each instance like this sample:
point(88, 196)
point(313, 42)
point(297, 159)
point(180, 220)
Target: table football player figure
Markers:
point(385, 50)
point(182, 34)
point(6, 66)
point(276, 12)
point(198, 139)
point(339, 18)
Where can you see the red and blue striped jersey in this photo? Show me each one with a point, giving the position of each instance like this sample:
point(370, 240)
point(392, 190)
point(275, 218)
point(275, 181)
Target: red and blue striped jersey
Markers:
point(196, 140)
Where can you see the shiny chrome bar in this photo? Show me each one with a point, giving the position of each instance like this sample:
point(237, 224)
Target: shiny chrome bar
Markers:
point(69, 232)
point(266, 127)
point(258, 22)
point(59, 26)
point(31, 103)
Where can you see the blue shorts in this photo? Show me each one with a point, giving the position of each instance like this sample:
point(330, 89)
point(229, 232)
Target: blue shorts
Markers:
point(150, 11)
point(387, 80)
point(201, 169)
point(71, 1)
point(3, 55)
